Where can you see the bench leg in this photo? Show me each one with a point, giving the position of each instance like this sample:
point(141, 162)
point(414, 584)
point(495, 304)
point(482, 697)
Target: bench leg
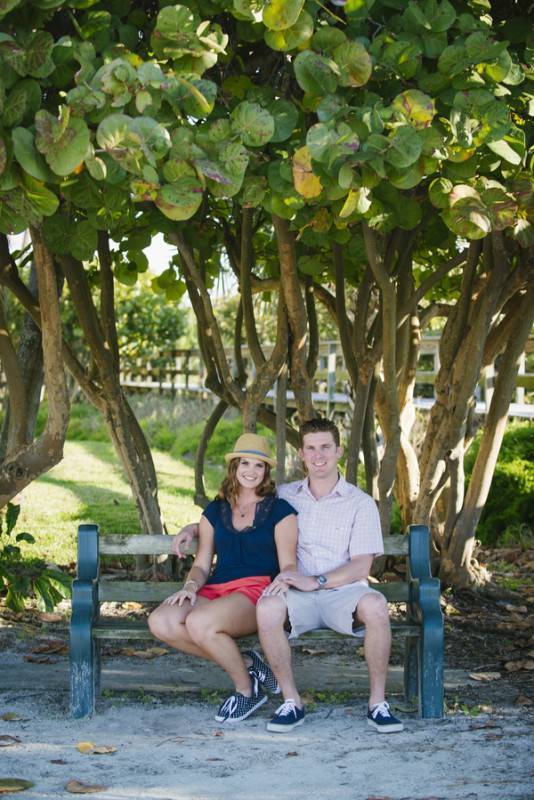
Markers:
point(83, 653)
point(411, 668)
point(82, 674)
point(431, 652)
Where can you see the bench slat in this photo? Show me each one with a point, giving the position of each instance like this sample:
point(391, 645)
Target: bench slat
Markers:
point(140, 544)
point(148, 592)
point(113, 628)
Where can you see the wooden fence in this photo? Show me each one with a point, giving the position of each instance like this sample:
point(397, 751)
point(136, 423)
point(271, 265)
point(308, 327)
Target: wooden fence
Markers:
point(182, 372)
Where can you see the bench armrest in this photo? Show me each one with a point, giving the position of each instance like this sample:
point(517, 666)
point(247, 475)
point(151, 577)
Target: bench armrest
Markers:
point(87, 565)
point(419, 551)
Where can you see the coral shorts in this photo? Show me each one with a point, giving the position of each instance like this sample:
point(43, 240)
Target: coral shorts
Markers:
point(250, 587)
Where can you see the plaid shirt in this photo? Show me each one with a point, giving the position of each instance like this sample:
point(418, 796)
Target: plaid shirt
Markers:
point(335, 528)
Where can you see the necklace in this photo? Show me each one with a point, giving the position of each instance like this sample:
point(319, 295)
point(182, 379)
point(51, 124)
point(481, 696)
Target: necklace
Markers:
point(248, 507)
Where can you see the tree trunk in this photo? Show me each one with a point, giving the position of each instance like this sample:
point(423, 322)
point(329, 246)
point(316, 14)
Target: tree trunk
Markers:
point(34, 459)
point(456, 560)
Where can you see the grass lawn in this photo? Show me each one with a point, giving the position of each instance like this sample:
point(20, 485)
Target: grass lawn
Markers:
point(89, 486)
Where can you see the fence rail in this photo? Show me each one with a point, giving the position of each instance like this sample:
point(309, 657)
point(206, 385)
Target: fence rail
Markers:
point(182, 372)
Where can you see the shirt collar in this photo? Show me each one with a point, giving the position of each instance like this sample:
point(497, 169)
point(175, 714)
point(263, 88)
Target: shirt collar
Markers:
point(341, 488)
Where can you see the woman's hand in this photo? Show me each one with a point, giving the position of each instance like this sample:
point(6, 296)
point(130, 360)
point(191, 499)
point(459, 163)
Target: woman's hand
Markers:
point(179, 598)
point(184, 539)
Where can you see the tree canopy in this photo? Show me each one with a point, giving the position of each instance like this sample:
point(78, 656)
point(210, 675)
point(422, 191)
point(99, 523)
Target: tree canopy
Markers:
point(370, 155)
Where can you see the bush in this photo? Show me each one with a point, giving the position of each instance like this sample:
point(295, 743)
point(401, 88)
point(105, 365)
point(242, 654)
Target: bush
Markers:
point(510, 503)
point(22, 577)
point(222, 441)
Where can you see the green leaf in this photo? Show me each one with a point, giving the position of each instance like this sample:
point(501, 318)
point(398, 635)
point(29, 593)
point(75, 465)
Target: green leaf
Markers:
point(22, 102)
point(313, 74)
point(254, 190)
point(319, 139)
point(5, 7)
point(64, 142)
point(12, 515)
point(439, 192)
point(235, 159)
point(201, 98)
point(43, 201)
point(281, 14)
point(84, 241)
point(28, 156)
point(285, 115)
point(354, 63)
point(38, 54)
point(25, 537)
point(416, 107)
point(180, 200)
point(405, 147)
point(430, 15)
point(504, 149)
point(291, 38)
point(253, 123)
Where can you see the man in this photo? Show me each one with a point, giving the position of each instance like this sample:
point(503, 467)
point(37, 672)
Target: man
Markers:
point(338, 536)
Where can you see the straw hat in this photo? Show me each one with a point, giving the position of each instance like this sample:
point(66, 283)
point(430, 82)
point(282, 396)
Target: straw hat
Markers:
point(251, 445)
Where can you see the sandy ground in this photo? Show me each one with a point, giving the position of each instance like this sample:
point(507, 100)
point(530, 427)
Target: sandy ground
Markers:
point(168, 747)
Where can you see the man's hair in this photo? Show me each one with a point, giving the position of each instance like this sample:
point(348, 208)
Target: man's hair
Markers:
point(319, 425)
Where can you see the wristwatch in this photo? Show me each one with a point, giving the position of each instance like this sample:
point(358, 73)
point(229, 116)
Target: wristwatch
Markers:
point(321, 580)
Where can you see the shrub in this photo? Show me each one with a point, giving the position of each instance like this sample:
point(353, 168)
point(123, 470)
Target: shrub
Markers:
point(222, 441)
point(21, 577)
point(510, 503)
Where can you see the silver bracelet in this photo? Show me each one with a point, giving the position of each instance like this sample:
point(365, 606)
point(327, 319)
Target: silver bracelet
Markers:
point(192, 580)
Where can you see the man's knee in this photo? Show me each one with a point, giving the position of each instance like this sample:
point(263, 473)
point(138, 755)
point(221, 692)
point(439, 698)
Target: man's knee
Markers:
point(271, 613)
point(373, 610)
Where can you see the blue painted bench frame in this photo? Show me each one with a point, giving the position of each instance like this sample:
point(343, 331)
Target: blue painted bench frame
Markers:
point(424, 649)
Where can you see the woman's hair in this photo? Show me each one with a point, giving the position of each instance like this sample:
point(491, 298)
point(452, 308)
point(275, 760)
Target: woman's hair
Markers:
point(229, 488)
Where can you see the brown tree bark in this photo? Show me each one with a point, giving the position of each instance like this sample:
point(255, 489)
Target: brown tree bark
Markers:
point(33, 459)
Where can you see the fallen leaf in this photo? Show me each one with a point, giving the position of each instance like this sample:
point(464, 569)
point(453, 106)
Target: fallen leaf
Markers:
point(12, 716)
point(523, 663)
point(214, 759)
point(8, 741)
point(85, 747)
point(104, 749)
point(131, 605)
point(78, 787)
point(58, 761)
point(311, 652)
point(40, 659)
point(159, 651)
point(380, 797)
point(218, 733)
point(47, 617)
point(477, 726)
point(493, 737)
point(523, 700)
point(52, 646)
point(292, 753)
point(485, 676)
point(14, 785)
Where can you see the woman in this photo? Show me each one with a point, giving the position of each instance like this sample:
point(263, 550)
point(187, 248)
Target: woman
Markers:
point(254, 536)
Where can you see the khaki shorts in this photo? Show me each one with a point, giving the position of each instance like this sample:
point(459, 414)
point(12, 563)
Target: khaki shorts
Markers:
point(325, 608)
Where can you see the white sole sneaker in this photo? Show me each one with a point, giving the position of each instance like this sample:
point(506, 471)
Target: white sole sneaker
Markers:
point(274, 728)
point(234, 720)
point(396, 728)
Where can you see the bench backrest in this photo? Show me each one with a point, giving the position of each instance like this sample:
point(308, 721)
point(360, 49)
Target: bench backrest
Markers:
point(91, 546)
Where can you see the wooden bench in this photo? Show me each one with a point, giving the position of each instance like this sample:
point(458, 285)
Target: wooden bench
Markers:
point(422, 624)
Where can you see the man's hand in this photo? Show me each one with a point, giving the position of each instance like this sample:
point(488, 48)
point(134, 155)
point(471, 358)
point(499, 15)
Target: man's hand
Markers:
point(305, 583)
point(184, 539)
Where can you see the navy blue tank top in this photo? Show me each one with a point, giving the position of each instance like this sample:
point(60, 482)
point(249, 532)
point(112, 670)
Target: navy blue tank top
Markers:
point(251, 551)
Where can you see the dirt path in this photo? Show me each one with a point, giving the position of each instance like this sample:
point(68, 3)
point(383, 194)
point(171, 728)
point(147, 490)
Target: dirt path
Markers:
point(173, 750)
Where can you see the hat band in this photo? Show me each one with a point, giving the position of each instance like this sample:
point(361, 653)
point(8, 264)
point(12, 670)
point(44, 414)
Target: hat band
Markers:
point(253, 452)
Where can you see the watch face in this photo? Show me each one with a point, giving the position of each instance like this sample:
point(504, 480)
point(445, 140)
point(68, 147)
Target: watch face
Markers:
point(321, 580)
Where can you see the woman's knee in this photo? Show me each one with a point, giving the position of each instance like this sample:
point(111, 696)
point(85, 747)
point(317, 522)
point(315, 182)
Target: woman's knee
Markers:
point(200, 626)
point(158, 623)
point(270, 613)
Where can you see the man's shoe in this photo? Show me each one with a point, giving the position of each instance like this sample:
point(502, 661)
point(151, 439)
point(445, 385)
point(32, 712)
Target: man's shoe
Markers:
point(287, 717)
point(238, 707)
point(263, 672)
point(380, 718)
